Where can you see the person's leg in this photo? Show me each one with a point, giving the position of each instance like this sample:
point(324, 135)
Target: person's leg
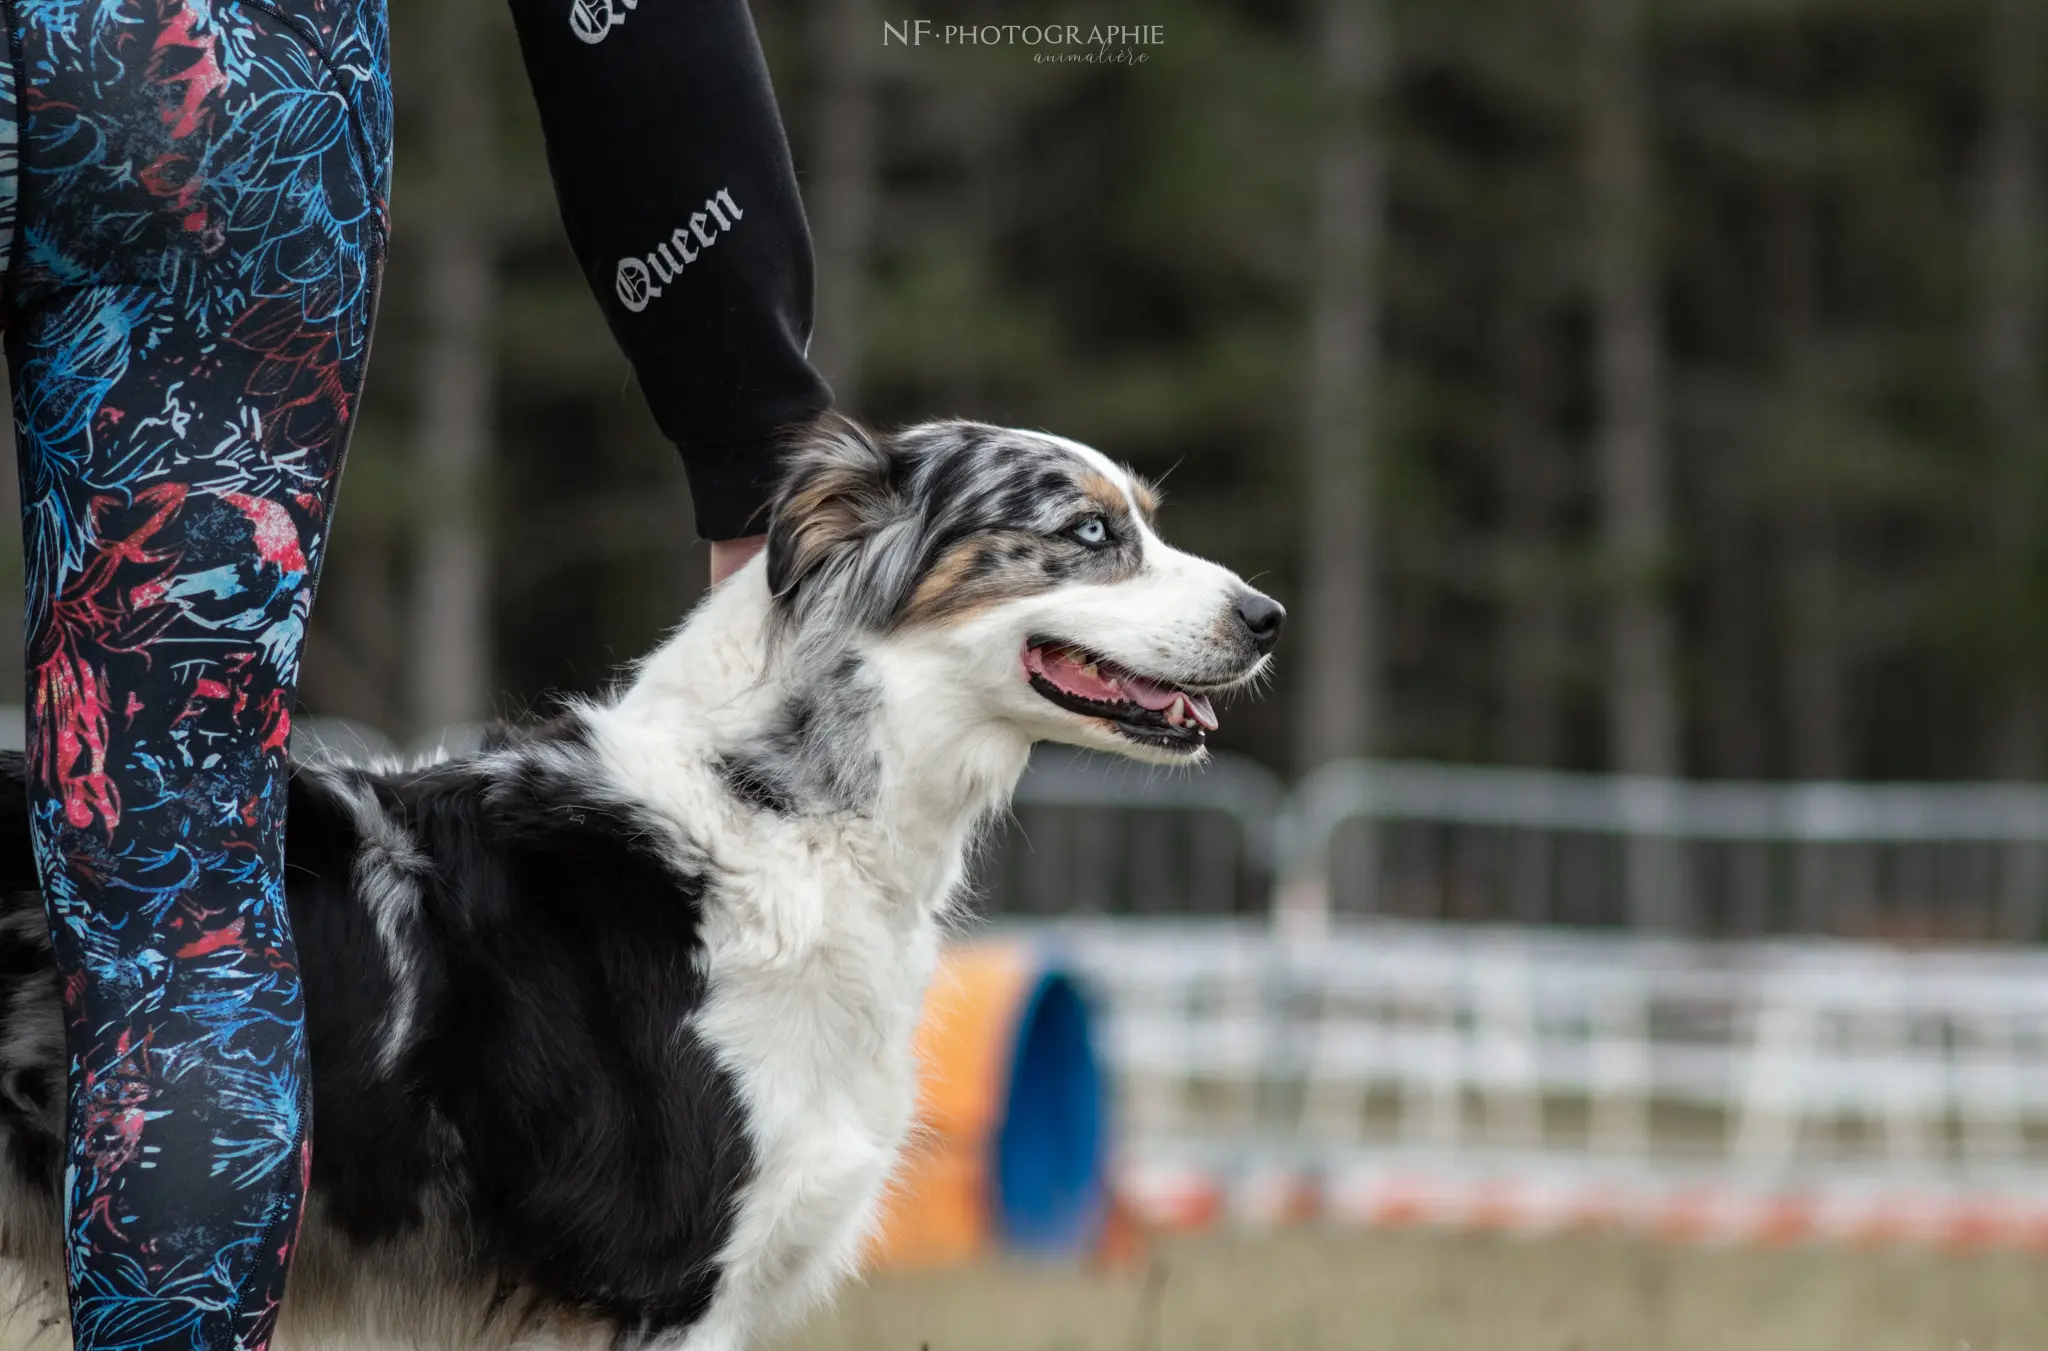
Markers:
point(191, 299)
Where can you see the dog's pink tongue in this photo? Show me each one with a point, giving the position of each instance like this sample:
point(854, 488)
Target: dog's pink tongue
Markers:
point(1159, 698)
point(1066, 669)
point(1149, 694)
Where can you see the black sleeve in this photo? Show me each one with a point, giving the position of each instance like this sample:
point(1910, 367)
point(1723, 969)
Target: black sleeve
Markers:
point(675, 184)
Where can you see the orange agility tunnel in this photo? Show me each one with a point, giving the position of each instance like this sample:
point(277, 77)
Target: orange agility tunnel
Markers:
point(1014, 1144)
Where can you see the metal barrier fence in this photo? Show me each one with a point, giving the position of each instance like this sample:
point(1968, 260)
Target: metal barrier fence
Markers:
point(1647, 1011)
point(1090, 835)
point(1908, 862)
point(1610, 1068)
point(1957, 862)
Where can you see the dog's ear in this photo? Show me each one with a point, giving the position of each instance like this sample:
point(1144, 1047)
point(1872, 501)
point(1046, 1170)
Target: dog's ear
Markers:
point(837, 494)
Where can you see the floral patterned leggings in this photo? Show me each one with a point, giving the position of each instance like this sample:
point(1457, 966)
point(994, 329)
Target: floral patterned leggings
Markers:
point(194, 217)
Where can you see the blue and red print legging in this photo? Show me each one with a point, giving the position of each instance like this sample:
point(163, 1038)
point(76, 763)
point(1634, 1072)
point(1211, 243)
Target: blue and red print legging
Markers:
point(197, 230)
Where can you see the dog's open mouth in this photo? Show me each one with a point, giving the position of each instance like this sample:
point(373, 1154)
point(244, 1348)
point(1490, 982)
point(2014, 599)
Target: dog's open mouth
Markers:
point(1141, 708)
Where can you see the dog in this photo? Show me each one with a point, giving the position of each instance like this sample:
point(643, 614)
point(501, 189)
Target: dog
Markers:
point(611, 1022)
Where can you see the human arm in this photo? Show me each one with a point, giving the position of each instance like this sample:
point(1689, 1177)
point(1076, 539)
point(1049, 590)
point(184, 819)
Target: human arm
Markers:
point(676, 188)
point(730, 555)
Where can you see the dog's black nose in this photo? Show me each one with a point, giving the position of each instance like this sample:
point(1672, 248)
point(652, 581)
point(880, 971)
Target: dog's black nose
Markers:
point(1262, 616)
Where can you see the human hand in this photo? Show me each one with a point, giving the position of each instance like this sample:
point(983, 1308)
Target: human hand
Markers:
point(730, 555)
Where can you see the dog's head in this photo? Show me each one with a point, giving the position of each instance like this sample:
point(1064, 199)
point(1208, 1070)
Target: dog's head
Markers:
point(1010, 578)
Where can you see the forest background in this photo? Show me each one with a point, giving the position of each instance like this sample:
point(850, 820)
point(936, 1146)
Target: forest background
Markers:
point(1651, 385)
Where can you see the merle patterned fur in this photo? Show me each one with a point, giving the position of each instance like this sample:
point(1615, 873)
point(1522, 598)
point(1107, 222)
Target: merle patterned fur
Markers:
point(551, 1094)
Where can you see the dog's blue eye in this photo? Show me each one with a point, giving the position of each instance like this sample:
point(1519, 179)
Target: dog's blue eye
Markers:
point(1092, 531)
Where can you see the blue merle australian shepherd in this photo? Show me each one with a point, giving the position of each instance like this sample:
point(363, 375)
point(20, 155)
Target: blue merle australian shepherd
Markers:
point(611, 1022)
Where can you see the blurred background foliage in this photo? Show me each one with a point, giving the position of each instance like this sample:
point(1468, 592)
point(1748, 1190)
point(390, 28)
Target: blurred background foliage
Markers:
point(1648, 384)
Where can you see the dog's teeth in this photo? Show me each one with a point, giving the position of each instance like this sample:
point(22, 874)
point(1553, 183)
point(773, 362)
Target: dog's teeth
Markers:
point(1177, 711)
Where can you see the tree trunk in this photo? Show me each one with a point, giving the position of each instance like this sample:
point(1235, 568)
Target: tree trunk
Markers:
point(352, 649)
point(448, 677)
point(2009, 360)
point(2009, 348)
point(1635, 510)
point(1633, 454)
point(844, 187)
point(1814, 644)
point(1339, 700)
point(1815, 647)
point(1533, 641)
point(1735, 738)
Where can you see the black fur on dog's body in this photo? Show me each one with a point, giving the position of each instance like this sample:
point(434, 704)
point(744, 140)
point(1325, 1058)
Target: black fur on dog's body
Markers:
point(549, 1095)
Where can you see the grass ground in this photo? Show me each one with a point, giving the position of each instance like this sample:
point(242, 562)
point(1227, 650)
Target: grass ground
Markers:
point(1309, 1291)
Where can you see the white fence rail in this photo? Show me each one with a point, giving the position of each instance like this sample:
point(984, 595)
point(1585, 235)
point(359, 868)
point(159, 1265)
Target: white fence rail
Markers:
point(1580, 1061)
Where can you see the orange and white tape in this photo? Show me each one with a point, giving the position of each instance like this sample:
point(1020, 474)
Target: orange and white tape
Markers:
point(1186, 1197)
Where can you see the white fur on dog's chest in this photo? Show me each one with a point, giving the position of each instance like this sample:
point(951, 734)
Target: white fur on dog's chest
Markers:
point(821, 933)
point(817, 984)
